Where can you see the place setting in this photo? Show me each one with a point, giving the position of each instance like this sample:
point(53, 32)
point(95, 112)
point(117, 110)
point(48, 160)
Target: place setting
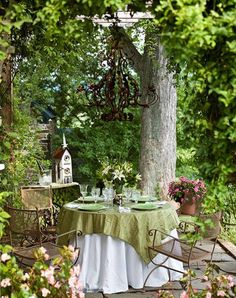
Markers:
point(93, 199)
point(144, 202)
point(89, 196)
point(85, 207)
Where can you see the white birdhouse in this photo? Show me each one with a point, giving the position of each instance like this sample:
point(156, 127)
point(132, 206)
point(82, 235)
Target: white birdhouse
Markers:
point(63, 164)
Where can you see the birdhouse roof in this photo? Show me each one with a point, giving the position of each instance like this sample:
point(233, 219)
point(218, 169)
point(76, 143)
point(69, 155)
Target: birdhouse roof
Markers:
point(58, 153)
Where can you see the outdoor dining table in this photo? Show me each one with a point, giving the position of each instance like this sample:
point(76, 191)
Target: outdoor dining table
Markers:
point(114, 252)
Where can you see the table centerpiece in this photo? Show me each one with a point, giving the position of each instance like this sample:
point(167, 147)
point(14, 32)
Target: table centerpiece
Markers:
point(115, 174)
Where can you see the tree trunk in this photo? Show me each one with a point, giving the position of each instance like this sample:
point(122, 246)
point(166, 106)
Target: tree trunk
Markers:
point(6, 94)
point(158, 123)
point(6, 88)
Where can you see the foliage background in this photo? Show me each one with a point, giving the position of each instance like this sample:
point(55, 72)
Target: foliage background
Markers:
point(199, 36)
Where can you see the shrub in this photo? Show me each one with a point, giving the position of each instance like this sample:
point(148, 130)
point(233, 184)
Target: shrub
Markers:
point(58, 279)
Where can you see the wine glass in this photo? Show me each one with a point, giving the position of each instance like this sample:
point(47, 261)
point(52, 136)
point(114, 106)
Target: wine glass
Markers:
point(83, 189)
point(136, 194)
point(128, 193)
point(95, 193)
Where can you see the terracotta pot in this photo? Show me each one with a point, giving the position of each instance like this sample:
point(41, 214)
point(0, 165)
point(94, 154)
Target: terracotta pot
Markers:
point(189, 208)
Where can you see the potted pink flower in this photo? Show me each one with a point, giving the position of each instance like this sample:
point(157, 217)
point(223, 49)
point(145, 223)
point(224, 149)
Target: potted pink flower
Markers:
point(189, 193)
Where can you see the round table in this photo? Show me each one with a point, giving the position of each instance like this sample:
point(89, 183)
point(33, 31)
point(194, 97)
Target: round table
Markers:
point(114, 252)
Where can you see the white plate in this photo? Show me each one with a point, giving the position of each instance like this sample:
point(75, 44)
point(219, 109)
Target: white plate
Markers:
point(72, 205)
point(145, 206)
point(145, 199)
point(91, 207)
point(160, 202)
point(89, 199)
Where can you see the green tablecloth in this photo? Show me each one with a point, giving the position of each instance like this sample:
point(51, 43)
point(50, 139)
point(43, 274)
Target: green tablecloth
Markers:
point(130, 227)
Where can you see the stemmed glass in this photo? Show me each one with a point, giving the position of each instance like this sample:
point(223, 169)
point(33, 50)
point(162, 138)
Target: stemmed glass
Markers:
point(95, 193)
point(83, 189)
point(136, 194)
point(128, 193)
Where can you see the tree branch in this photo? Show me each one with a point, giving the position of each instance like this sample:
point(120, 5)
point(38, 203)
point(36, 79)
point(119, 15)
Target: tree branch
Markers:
point(129, 48)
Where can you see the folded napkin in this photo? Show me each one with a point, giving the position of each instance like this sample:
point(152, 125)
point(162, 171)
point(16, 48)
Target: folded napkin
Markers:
point(124, 209)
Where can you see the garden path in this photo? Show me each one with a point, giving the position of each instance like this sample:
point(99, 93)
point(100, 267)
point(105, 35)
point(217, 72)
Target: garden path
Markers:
point(224, 254)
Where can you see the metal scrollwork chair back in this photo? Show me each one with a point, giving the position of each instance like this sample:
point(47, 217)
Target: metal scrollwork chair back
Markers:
point(27, 235)
point(184, 249)
point(41, 198)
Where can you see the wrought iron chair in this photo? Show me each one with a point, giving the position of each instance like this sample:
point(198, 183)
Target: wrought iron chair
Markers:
point(184, 249)
point(27, 235)
point(41, 198)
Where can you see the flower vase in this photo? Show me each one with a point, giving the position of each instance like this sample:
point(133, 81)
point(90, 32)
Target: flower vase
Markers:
point(118, 198)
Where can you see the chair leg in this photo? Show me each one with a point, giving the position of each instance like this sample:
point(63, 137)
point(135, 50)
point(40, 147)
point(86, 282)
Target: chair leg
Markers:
point(149, 275)
point(163, 266)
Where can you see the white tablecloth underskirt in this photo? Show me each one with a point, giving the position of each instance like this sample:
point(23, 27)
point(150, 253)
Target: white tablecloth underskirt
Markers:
point(110, 265)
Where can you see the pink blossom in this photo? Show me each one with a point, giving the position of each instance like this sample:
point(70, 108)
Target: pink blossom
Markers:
point(57, 285)
point(45, 292)
point(75, 253)
point(196, 189)
point(205, 277)
point(6, 282)
point(24, 286)
point(26, 276)
point(48, 273)
point(71, 248)
point(184, 294)
point(72, 281)
point(230, 281)
point(5, 257)
point(42, 250)
point(221, 293)
point(75, 270)
point(208, 295)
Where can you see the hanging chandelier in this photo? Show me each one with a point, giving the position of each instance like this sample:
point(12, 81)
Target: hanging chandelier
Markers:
point(117, 91)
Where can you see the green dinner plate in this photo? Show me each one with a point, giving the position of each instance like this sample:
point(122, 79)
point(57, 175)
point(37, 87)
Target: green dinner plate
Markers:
point(146, 206)
point(91, 207)
point(145, 199)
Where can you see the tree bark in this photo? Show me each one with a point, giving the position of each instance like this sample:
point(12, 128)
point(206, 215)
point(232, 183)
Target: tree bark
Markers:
point(158, 122)
point(6, 95)
point(6, 88)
